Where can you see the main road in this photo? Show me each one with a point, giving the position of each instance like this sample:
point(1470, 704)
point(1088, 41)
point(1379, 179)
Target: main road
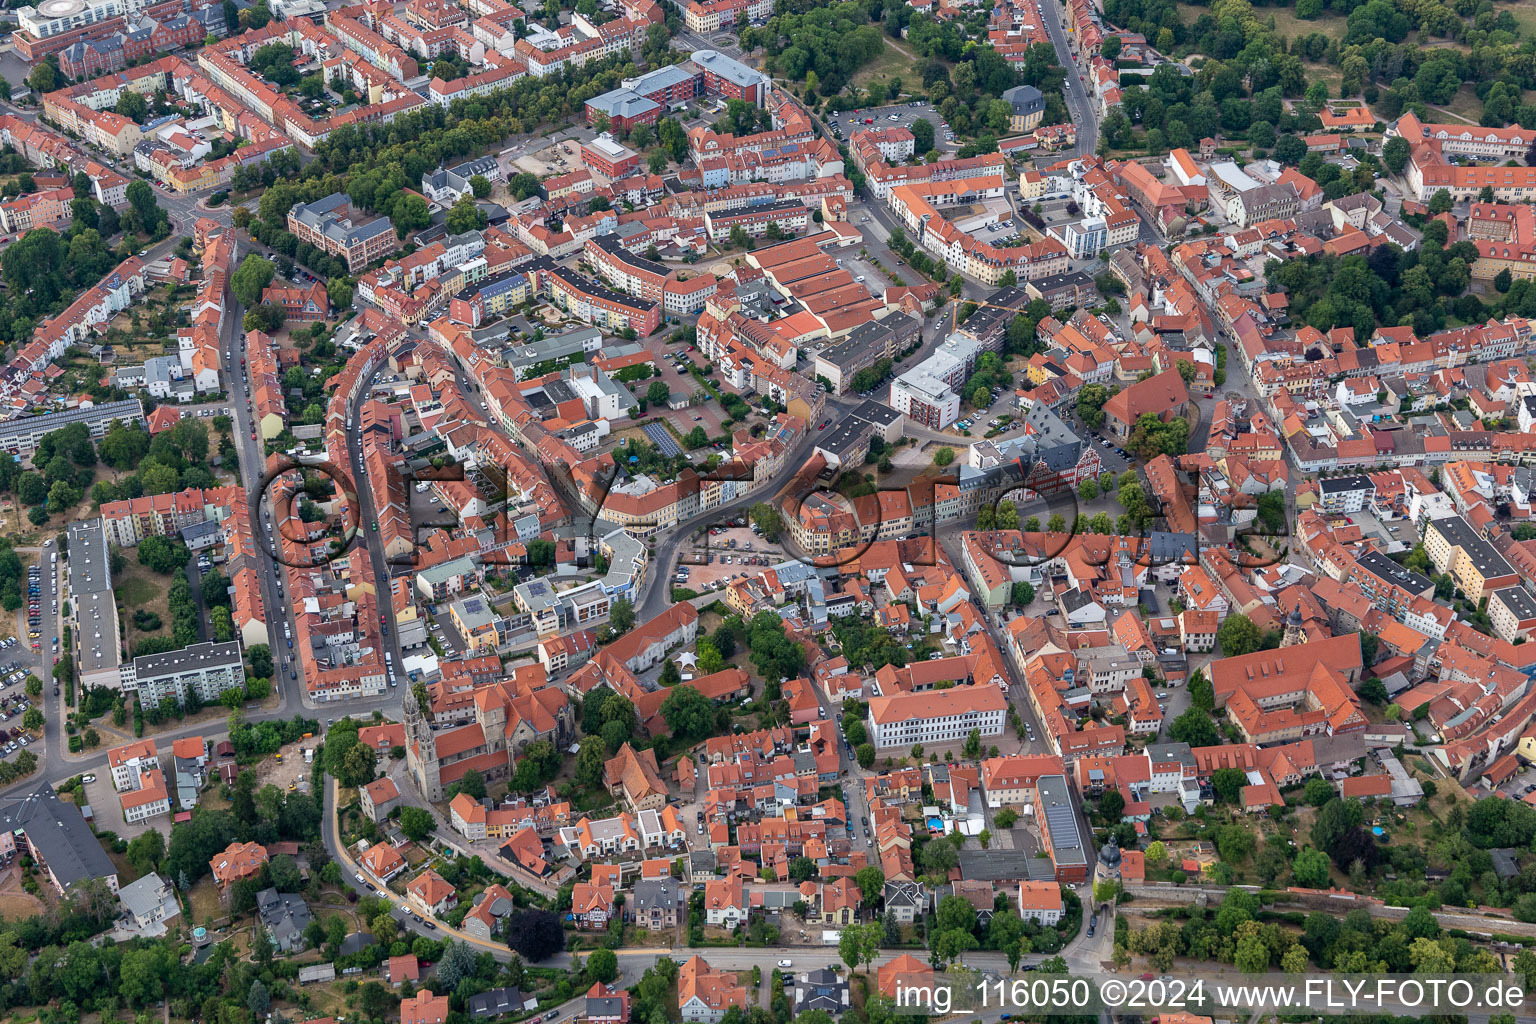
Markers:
point(1085, 113)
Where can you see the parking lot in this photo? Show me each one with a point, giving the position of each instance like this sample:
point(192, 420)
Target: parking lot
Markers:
point(107, 808)
point(901, 115)
point(721, 554)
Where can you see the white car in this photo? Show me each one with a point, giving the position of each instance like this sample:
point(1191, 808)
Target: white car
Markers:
point(785, 963)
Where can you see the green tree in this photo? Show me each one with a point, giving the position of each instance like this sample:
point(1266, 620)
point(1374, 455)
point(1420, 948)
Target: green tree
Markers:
point(1239, 635)
point(411, 214)
point(621, 615)
point(465, 216)
point(972, 748)
point(417, 823)
point(1317, 791)
point(146, 849)
point(943, 457)
point(1228, 783)
point(472, 784)
point(871, 883)
point(766, 518)
point(162, 554)
point(251, 278)
point(1195, 728)
point(603, 965)
point(688, 713)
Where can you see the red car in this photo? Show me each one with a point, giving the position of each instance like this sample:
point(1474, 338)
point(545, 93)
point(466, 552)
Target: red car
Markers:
point(869, 120)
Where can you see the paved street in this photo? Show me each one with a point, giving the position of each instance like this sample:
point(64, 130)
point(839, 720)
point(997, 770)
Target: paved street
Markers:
point(1080, 105)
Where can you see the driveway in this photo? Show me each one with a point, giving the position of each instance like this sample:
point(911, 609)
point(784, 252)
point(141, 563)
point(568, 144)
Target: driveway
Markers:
point(107, 809)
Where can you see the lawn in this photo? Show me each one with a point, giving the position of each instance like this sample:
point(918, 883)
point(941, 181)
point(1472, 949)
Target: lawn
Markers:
point(893, 63)
point(1286, 22)
point(1464, 106)
point(16, 904)
point(139, 588)
point(1524, 11)
point(207, 906)
point(1292, 27)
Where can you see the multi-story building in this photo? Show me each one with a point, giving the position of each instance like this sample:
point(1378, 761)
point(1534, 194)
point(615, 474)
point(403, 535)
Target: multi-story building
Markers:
point(54, 19)
point(1466, 139)
point(928, 392)
point(1513, 612)
point(1040, 902)
point(127, 762)
point(331, 225)
point(506, 717)
point(19, 436)
point(592, 303)
point(937, 716)
point(1454, 547)
point(55, 835)
point(731, 78)
point(865, 345)
point(608, 157)
point(208, 669)
point(447, 184)
point(1060, 835)
point(789, 215)
point(925, 398)
point(647, 279)
point(1026, 108)
point(149, 797)
point(1011, 781)
point(1344, 494)
point(621, 110)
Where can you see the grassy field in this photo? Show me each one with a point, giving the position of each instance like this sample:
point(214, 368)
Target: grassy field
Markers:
point(140, 588)
point(206, 903)
point(1464, 106)
point(893, 63)
point(1290, 26)
point(16, 903)
point(1286, 22)
point(1524, 11)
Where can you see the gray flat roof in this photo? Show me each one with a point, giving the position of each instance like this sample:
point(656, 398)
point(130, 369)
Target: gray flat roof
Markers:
point(90, 584)
point(188, 659)
point(1459, 533)
point(131, 411)
point(1061, 821)
point(1518, 601)
point(1342, 484)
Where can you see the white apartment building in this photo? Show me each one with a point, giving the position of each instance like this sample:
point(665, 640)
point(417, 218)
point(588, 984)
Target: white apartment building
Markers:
point(937, 716)
point(128, 761)
point(925, 399)
point(149, 798)
point(208, 669)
